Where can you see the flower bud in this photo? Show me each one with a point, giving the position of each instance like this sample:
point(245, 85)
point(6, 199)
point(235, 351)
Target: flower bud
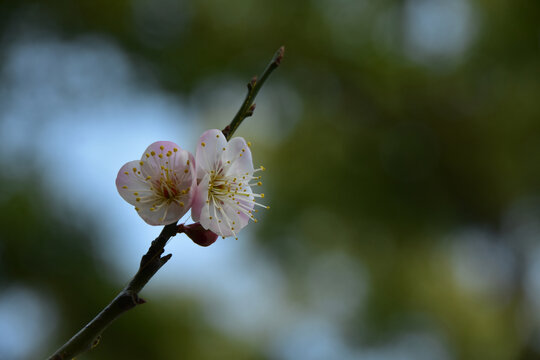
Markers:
point(198, 234)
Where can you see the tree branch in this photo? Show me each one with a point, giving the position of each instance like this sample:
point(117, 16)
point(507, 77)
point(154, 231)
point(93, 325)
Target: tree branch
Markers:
point(127, 299)
point(89, 336)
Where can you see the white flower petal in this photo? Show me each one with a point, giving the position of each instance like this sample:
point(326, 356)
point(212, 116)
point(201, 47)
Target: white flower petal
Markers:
point(151, 217)
point(238, 158)
point(204, 217)
point(164, 215)
point(221, 220)
point(199, 199)
point(247, 204)
point(209, 150)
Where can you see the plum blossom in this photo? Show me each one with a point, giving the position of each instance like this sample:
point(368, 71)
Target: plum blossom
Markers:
point(224, 201)
point(161, 185)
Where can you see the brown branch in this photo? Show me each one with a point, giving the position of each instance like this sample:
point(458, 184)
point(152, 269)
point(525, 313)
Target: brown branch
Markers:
point(127, 299)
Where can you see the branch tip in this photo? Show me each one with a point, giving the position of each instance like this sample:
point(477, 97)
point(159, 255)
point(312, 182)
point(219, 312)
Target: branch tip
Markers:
point(279, 55)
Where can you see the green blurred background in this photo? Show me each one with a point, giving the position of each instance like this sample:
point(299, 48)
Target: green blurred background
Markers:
point(403, 156)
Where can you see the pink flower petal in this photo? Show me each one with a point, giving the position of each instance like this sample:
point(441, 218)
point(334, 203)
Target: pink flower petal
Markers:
point(161, 185)
point(130, 183)
point(164, 215)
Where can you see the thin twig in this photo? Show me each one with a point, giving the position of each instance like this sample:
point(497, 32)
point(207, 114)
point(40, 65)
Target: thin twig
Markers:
point(89, 336)
point(254, 86)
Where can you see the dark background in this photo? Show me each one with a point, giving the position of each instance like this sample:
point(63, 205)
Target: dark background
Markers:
point(401, 139)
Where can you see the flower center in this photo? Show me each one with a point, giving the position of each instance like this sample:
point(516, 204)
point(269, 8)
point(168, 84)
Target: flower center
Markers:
point(235, 191)
point(168, 189)
point(219, 186)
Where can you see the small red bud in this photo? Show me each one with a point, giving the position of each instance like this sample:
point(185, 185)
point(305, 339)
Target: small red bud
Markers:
point(198, 234)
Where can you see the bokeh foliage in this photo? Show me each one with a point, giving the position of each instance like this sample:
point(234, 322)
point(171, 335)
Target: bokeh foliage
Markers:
point(390, 156)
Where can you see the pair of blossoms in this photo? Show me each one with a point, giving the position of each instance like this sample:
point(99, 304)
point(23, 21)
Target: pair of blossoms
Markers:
point(215, 185)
